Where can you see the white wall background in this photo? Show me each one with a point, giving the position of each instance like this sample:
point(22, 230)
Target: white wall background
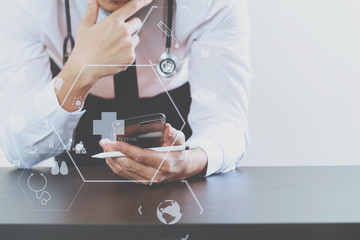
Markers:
point(305, 99)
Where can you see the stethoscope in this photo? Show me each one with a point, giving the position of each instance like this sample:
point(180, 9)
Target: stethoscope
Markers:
point(168, 64)
point(40, 192)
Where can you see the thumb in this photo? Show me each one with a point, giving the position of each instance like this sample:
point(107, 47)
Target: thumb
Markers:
point(106, 145)
point(91, 14)
point(171, 135)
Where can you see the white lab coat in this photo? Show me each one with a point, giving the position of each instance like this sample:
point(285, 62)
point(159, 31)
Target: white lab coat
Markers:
point(214, 47)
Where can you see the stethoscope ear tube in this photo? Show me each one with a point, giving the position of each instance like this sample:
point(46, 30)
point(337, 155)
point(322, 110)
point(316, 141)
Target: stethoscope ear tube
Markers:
point(69, 36)
point(66, 53)
point(169, 23)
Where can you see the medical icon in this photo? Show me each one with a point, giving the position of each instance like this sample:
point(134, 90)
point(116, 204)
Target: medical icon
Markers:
point(103, 127)
point(33, 151)
point(55, 168)
point(16, 163)
point(58, 82)
point(77, 102)
point(41, 194)
point(204, 96)
point(18, 76)
point(186, 237)
point(165, 29)
point(139, 210)
point(17, 123)
point(80, 148)
point(168, 212)
point(63, 169)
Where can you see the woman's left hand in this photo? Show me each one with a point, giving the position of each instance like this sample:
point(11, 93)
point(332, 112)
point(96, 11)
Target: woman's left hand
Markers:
point(146, 166)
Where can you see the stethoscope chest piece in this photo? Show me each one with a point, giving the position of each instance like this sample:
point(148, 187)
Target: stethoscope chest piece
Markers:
point(168, 65)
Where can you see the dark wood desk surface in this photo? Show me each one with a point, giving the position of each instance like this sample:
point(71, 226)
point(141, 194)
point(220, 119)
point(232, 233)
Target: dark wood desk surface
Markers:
point(249, 203)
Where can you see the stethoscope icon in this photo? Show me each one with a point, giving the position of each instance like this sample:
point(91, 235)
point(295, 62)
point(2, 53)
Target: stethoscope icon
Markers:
point(40, 193)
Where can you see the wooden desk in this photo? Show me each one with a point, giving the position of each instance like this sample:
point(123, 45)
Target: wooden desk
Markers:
point(250, 203)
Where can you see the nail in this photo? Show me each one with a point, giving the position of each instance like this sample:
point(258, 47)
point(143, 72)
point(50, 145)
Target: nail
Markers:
point(104, 143)
point(172, 131)
point(89, 1)
point(117, 146)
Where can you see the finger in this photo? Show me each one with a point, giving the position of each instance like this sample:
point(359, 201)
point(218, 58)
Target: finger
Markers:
point(145, 172)
point(114, 166)
point(105, 144)
point(145, 156)
point(129, 9)
point(135, 39)
point(173, 136)
point(144, 168)
point(134, 25)
point(129, 165)
point(119, 171)
point(137, 154)
point(167, 138)
point(91, 14)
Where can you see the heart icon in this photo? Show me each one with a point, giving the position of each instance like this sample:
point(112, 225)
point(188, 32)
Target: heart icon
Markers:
point(204, 96)
point(17, 124)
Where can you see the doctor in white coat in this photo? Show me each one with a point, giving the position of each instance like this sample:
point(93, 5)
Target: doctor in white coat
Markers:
point(214, 47)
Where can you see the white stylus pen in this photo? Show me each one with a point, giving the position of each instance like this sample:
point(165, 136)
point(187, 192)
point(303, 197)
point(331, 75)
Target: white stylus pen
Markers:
point(157, 149)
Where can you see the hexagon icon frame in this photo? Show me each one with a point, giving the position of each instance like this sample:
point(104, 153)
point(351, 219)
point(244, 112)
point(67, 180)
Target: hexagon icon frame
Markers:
point(145, 209)
point(45, 190)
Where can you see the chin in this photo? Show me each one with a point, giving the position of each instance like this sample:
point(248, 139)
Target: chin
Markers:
point(112, 5)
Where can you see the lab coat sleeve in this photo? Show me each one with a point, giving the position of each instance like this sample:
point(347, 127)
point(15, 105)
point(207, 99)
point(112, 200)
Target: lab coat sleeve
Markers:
point(29, 109)
point(219, 76)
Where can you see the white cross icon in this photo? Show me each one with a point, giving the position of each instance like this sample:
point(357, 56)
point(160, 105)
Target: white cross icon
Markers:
point(103, 127)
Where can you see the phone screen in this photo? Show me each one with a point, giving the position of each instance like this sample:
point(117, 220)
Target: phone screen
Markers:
point(143, 131)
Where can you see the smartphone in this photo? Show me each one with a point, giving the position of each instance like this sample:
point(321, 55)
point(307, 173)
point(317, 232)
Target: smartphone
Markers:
point(144, 131)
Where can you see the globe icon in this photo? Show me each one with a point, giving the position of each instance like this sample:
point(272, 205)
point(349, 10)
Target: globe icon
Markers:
point(168, 212)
